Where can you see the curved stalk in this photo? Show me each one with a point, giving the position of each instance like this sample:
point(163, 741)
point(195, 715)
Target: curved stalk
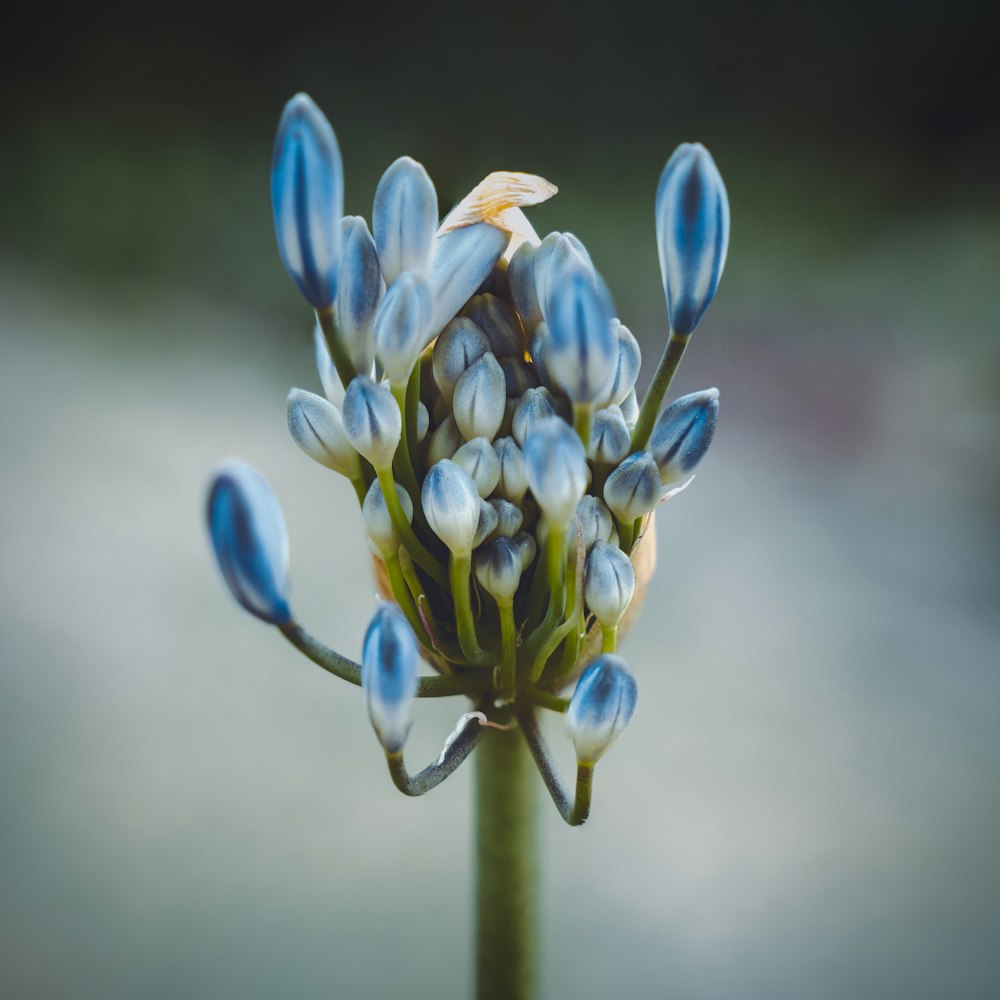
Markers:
point(671, 358)
point(460, 572)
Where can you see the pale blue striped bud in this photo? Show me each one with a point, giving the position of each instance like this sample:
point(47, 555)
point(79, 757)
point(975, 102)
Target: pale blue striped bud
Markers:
point(692, 233)
point(595, 521)
point(460, 345)
point(519, 377)
point(627, 365)
point(317, 428)
point(401, 326)
point(557, 469)
point(381, 532)
point(480, 399)
point(558, 250)
point(630, 409)
point(634, 488)
point(521, 281)
point(307, 198)
point(601, 708)
point(582, 351)
point(250, 541)
point(389, 668)
point(513, 481)
point(372, 421)
point(445, 441)
point(479, 459)
point(359, 292)
point(509, 517)
point(610, 439)
point(534, 407)
point(463, 260)
point(498, 569)
point(500, 324)
point(451, 505)
point(404, 219)
point(487, 523)
point(683, 432)
point(609, 583)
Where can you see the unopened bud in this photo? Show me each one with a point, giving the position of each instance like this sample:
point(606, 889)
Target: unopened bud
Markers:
point(404, 218)
point(683, 432)
point(479, 459)
point(379, 527)
point(359, 292)
point(498, 569)
point(610, 583)
point(317, 428)
point(521, 281)
point(480, 399)
point(535, 406)
point(372, 421)
point(500, 324)
point(389, 665)
point(513, 482)
point(451, 505)
point(509, 517)
point(630, 409)
point(445, 441)
point(595, 521)
point(401, 326)
point(601, 707)
point(557, 469)
point(634, 488)
point(610, 439)
point(459, 346)
point(487, 523)
point(627, 364)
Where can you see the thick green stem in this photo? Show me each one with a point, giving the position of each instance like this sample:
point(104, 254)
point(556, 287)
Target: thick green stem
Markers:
point(460, 572)
point(507, 869)
point(609, 639)
point(582, 413)
point(658, 388)
point(508, 654)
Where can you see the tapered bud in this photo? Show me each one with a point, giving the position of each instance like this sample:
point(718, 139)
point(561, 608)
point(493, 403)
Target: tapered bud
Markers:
point(479, 459)
point(401, 326)
point(557, 251)
point(463, 260)
point(378, 523)
point(389, 666)
point(627, 364)
point(250, 541)
point(359, 292)
point(535, 406)
point(307, 198)
point(451, 505)
point(498, 569)
point(500, 324)
point(595, 521)
point(372, 421)
point(557, 469)
point(487, 523)
point(601, 708)
point(317, 428)
point(404, 218)
point(445, 441)
point(527, 548)
point(630, 409)
point(513, 481)
point(519, 376)
point(480, 399)
point(328, 376)
point(692, 233)
point(634, 488)
point(609, 583)
point(460, 345)
point(610, 439)
point(509, 517)
point(683, 432)
point(521, 281)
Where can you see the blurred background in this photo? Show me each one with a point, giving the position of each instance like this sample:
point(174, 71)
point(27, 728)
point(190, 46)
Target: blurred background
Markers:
point(807, 802)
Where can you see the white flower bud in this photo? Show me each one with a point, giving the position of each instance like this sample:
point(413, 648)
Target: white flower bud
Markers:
point(595, 521)
point(610, 439)
point(634, 488)
point(487, 523)
point(630, 409)
point(401, 326)
point(451, 505)
point(534, 407)
point(480, 461)
point(557, 469)
point(423, 421)
point(460, 345)
point(498, 569)
point(557, 250)
point(509, 517)
point(378, 522)
point(445, 441)
point(513, 482)
point(317, 428)
point(527, 548)
point(627, 365)
point(480, 399)
point(372, 421)
point(609, 583)
point(404, 218)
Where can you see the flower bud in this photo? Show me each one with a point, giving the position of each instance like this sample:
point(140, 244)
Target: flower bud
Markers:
point(519, 377)
point(307, 198)
point(372, 421)
point(609, 583)
point(535, 406)
point(404, 218)
point(423, 421)
point(378, 522)
point(634, 488)
point(610, 439)
point(498, 569)
point(480, 461)
point(627, 365)
point(509, 517)
point(513, 481)
point(445, 441)
point(521, 281)
point(683, 432)
point(630, 409)
point(480, 398)
point(460, 344)
point(401, 326)
point(692, 233)
point(557, 251)
point(317, 428)
point(557, 469)
point(389, 664)
point(526, 548)
point(463, 260)
point(595, 521)
point(359, 292)
point(487, 523)
point(500, 324)
point(539, 358)
point(601, 707)
point(451, 505)
point(250, 541)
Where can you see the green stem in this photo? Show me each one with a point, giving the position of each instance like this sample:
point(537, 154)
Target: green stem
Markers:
point(403, 463)
point(413, 545)
point(507, 873)
point(360, 489)
point(338, 352)
point(460, 572)
point(508, 656)
point(671, 358)
point(609, 639)
point(626, 535)
point(404, 598)
point(582, 413)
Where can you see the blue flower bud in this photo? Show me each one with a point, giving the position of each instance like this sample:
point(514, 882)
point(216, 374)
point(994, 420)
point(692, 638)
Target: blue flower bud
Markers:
point(509, 517)
point(610, 439)
point(601, 708)
point(445, 441)
point(595, 521)
point(460, 344)
point(401, 326)
point(479, 459)
point(317, 428)
point(359, 292)
point(513, 482)
point(451, 505)
point(683, 432)
point(500, 324)
point(404, 218)
point(692, 233)
point(534, 407)
point(307, 197)
point(557, 469)
point(627, 365)
point(389, 665)
point(558, 250)
point(372, 421)
point(487, 523)
point(498, 569)
point(521, 281)
point(480, 399)
point(250, 541)
point(463, 260)
point(609, 583)
point(633, 489)
point(381, 531)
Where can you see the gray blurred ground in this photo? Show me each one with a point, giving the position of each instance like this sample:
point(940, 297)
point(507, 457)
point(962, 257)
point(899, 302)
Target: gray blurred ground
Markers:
point(806, 805)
